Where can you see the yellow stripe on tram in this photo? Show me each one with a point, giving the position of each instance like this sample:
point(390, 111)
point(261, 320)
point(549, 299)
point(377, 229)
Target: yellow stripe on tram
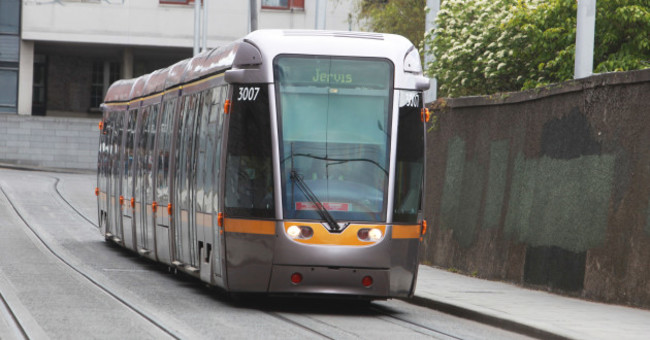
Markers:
point(232, 225)
point(406, 231)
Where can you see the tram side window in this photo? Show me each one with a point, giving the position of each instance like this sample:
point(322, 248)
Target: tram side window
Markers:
point(141, 151)
point(249, 175)
point(164, 146)
point(217, 118)
point(117, 146)
point(150, 133)
point(202, 150)
point(208, 149)
point(127, 184)
point(410, 159)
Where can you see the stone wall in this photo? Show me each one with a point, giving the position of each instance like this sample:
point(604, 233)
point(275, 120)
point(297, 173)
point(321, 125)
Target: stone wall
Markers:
point(49, 142)
point(548, 188)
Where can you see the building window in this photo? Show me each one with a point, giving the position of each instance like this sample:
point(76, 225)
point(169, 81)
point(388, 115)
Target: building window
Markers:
point(177, 2)
point(39, 88)
point(104, 74)
point(9, 55)
point(283, 4)
point(8, 90)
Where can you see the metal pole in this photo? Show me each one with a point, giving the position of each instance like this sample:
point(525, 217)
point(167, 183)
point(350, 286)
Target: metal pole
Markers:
point(431, 94)
point(197, 24)
point(253, 15)
point(585, 31)
point(317, 15)
point(323, 17)
point(204, 44)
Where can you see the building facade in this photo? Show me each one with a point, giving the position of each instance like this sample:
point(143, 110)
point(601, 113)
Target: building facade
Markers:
point(58, 57)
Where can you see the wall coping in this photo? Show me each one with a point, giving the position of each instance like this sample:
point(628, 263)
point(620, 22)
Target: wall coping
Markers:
point(50, 120)
point(594, 81)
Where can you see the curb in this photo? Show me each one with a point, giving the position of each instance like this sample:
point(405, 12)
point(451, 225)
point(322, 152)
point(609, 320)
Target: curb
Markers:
point(484, 318)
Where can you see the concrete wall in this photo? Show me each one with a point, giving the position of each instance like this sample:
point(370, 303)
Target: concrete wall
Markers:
point(150, 23)
point(66, 143)
point(547, 188)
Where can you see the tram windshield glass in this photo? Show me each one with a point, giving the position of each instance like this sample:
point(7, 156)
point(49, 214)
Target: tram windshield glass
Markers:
point(334, 118)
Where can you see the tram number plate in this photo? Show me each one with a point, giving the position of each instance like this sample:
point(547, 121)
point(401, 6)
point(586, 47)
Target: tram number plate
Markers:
point(248, 93)
point(330, 206)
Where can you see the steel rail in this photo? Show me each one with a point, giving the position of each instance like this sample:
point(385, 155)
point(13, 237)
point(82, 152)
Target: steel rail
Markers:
point(89, 278)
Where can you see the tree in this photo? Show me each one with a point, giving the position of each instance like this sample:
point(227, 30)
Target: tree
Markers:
point(484, 47)
point(403, 17)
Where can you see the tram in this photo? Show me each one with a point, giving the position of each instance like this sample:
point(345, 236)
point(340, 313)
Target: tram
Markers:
point(288, 162)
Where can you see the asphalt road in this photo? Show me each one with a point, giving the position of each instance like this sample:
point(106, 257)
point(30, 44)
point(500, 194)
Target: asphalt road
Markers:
point(59, 279)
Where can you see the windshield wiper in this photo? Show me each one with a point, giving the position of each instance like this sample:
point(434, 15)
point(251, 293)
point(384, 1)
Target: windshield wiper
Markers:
point(324, 214)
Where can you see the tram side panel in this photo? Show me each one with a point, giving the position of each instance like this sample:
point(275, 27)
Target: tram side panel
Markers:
point(102, 176)
point(249, 205)
point(409, 181)
point(112, 188)
point(184, 226)
point(206, 176)
point(128, 180)
point(161, 198)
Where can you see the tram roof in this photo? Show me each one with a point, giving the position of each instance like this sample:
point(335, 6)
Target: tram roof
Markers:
point(269, 44)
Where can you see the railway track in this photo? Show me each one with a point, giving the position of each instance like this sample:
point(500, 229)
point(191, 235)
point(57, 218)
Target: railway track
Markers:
point(15, 328)
point(328, 320)
point(142, 313)
point(379, 312)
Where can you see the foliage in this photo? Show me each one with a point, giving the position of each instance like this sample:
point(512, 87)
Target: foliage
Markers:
point(484, 47)
point(403, 17)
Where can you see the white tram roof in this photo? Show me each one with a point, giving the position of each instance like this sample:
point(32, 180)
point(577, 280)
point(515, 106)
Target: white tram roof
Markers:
point(268, 44)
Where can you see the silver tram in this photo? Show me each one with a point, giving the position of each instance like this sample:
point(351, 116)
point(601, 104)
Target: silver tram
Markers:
point(285, 162)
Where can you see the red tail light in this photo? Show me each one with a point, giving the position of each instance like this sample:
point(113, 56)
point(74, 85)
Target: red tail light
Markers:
point(367, 281)
point(296, 278)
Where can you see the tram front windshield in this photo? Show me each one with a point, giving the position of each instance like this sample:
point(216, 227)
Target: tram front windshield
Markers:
point(334, 118)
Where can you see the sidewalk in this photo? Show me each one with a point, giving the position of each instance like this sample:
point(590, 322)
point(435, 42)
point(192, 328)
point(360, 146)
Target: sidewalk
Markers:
point(531, 312)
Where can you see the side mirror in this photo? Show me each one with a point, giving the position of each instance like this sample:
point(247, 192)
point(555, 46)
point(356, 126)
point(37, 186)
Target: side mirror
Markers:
point(422, 83)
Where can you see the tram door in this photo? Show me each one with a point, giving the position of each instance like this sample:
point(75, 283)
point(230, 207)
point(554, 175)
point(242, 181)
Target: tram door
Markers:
point(145, 179)
point(118, 132)
point(128, 180)
point(102, 173)
point(163, 163)
point(215, 134)
point(205, 183)
point(138, 190)
point(148, 180)
point(184, 218)
point(114, 212)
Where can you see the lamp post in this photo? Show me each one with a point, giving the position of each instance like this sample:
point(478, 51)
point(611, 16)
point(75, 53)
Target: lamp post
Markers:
point(431, 94)
point(585, 31)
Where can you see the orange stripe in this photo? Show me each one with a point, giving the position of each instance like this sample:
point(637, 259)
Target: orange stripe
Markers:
point(232, 225)
point(406, 231)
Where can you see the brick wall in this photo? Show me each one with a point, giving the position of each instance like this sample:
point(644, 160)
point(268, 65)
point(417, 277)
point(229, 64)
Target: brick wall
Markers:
point(49, 142)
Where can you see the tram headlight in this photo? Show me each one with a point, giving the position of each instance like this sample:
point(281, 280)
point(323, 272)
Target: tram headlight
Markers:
point(293, 231)
point(374, 234)
point(369, 235)
point(300, 232)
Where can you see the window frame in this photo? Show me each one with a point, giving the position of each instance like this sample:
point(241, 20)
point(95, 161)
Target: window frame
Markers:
point(178, 2)
point(291, 5)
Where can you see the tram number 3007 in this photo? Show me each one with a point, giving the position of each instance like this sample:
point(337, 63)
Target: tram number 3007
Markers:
point(414, 101)
point(248, 93)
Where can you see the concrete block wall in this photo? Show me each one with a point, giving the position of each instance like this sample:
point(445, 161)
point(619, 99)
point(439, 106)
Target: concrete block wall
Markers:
point(548, 188)
point(49, 142)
